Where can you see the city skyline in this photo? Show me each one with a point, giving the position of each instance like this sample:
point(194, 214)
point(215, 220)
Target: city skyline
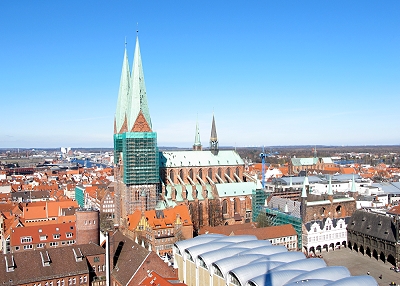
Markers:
point(292, 73)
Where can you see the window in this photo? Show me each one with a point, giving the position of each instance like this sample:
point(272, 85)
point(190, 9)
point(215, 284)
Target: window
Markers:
point(56, 236)
point(96, 259)
point(74, 280)
point(53, 243)
point(40, 245)
point(69, 234)
point(29, 246)
point(26, 239)
point(17, 248)
point(43, 237)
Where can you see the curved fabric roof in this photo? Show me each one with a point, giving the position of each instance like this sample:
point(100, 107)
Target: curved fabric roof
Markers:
point(212, 256)
point(253, 243)
point(267, 250)
point(256, 262)
point(285, 256)
point(332, 273)
point(183, 244)
point(251, 270)
point(303, 264)
point(275, 277)
point(239, 238)
point(355, 281)
point(228, 263)
point(196, 250)
point(310, 282)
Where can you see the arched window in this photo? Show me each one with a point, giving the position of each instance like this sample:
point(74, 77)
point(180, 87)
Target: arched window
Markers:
point(237, 171)
point(224, 207)
point(339, 209)
point(228, 171)
point(210, 173)
point(191, 174)
point(201, 174)
point(322, 211)
point(171, 175)
point(220, 172)
point(181, 174)
point(236, 206)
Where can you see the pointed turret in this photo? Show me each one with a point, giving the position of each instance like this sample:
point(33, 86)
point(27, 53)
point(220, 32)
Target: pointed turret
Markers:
point(197, 143)
point(137, 94)
point(213, 138)
point(305, 186)
point(330, 193)
point(303, 200)
point(353, 185)
point(123, 96)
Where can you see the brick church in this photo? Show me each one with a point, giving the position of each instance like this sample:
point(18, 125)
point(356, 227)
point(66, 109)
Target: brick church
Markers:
point(211, 183)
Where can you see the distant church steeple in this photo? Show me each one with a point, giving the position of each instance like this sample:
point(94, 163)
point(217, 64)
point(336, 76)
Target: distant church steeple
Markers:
point(197, 144)
point(214, 139)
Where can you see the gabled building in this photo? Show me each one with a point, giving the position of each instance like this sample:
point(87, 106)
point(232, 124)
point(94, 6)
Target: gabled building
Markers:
point(131, 263)
point(42, 236)
point(376, 235)
point(72, 265)
point(158, 230)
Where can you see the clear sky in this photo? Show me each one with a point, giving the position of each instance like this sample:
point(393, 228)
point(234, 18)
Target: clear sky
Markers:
point(272, 72)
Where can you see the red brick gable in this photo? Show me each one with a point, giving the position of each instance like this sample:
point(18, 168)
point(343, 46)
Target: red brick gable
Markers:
point(141, 124)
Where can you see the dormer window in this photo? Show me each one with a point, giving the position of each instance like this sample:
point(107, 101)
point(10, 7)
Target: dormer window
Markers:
point(45, 258)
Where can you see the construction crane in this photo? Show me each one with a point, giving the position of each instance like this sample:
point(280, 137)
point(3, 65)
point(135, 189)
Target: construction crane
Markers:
point(264, 155)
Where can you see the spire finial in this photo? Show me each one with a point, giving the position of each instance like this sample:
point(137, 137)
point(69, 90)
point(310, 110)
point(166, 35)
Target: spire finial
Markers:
point(125, 42)
point(137, 28)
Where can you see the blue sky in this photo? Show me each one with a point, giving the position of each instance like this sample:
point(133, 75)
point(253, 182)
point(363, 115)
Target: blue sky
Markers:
point(273, 72)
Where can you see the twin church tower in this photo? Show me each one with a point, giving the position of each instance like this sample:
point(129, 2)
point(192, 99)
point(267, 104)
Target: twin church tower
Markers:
point(136, 155)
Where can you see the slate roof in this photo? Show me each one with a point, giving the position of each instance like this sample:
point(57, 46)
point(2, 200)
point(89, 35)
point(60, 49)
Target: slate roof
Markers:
point(128, 257)
point(373, 224)
point(132, 261)
point(29, 267)
point(279, 204)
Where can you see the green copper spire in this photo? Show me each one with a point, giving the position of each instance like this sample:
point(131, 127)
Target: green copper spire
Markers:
point(197, 143)
point(214, 138)
point(123, 95)
point(137, 94)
